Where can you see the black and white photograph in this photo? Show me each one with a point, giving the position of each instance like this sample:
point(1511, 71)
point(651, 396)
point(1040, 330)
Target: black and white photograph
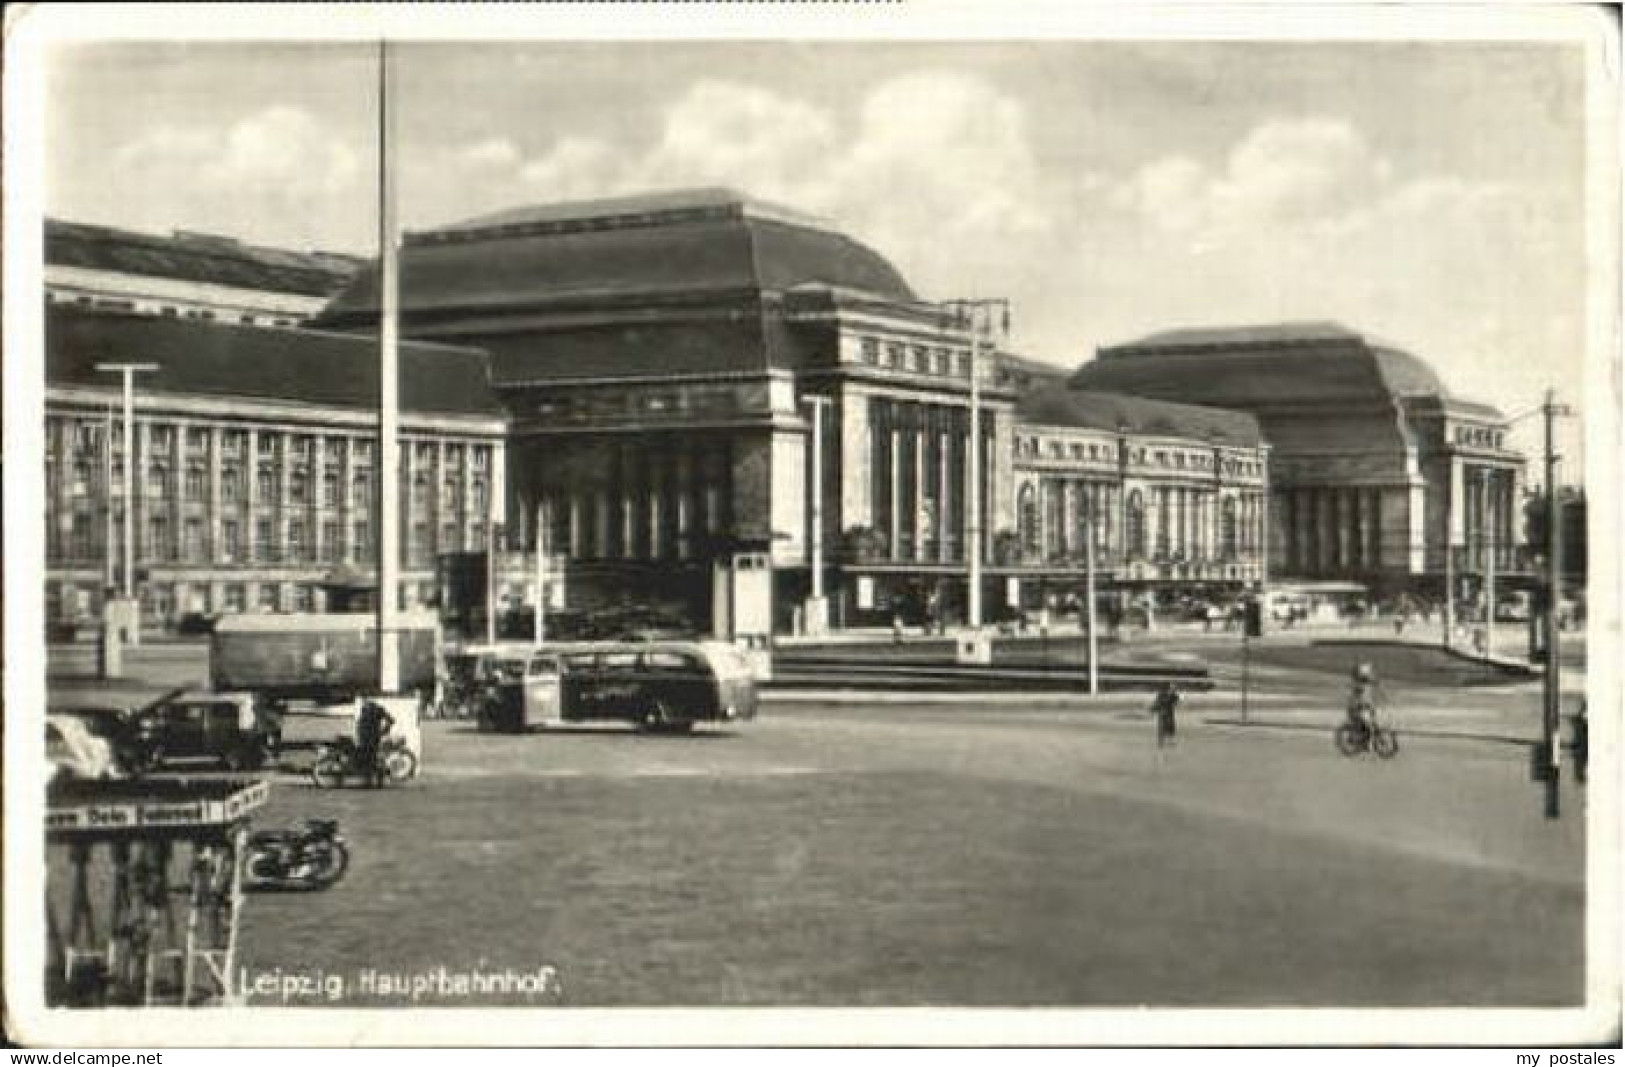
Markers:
point(1100, 528)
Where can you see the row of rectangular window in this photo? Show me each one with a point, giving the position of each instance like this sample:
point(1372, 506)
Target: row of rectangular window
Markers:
point(87, 437)
point(159, 598)
point(920, 359)
point(266, 548)
point(172, 311)
point(231, 484)
point(1162, 458)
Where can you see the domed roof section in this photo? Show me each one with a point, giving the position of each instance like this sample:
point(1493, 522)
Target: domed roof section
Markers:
point(633, 250)
point(1115, 412)
point(1262, 366)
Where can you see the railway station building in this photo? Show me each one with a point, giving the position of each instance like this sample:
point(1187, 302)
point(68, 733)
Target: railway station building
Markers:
point(1377, 470)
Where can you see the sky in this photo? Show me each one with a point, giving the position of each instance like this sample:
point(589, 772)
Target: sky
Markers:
point(1430, 194)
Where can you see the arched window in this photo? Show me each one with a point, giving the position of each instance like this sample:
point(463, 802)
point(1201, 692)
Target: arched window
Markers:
point(1134, 525)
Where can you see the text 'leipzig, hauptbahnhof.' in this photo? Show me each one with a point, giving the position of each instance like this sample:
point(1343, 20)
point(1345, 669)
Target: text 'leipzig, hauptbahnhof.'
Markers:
point(693, 400)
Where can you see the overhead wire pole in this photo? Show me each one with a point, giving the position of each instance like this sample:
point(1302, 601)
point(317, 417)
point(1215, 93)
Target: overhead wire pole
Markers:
point(389, 665)
point(1488, 516)
point(1089, 596)
point(1553, 692)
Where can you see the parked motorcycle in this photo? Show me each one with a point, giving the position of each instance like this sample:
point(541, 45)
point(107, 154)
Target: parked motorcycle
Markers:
point(339, 760)
point(310, 856)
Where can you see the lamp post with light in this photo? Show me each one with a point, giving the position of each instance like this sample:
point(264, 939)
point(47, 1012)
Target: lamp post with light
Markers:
point(125, 621)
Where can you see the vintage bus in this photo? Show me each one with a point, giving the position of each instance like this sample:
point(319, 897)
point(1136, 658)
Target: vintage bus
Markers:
point(659, 686)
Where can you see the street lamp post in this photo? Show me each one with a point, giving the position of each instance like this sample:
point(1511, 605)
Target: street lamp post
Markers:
point(389, 524)
point(816, 616)
point(132, 622)
point(976, 317)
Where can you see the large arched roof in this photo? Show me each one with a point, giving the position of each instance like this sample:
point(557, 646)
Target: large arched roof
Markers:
point(1262, 366)
point(629, 251)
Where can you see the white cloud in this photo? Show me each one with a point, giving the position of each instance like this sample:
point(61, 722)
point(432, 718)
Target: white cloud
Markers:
point(1296, 219)
point(292, 168)
point(936, 170)
point(1283, 172)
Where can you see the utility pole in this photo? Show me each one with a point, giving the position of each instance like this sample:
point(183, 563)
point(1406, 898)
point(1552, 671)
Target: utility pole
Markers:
point(1487, 520)
point(973, 495)
point(1089, 596)
point(389, 522)
point(1552, 722)
point(131, 616)
point(109, 548)
point(816, 618)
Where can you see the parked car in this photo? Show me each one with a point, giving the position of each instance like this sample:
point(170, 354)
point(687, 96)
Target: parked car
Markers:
point(219, 727)
point(74, 752)
point(195, 623)
point(1513, 607)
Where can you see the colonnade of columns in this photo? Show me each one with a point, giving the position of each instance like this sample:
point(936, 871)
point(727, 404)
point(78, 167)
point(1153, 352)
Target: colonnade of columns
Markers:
point(1190, 522)
point(1334, 530)
point(919, 480)
point(633, 499)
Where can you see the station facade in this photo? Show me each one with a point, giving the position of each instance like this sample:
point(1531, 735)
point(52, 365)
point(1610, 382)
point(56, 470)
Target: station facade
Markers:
point(693, 400)
point(670, 366)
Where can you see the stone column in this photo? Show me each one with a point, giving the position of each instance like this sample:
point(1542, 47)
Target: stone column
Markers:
point(601, 521)
point(215, 505)
point(919, 485)
point(470, 511)
point(175, 493)
point(319, 507)
point(347, 509)
point(657, 480)
point(685, 517)
point(896, 532)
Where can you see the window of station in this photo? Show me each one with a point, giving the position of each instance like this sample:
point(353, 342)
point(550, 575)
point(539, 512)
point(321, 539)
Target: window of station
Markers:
point(871, 351)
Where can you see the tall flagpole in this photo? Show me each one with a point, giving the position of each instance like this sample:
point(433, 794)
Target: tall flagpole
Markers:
point(389, 523)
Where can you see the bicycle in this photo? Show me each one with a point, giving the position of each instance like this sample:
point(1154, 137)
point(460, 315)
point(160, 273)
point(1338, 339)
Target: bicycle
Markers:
point(1355, 736)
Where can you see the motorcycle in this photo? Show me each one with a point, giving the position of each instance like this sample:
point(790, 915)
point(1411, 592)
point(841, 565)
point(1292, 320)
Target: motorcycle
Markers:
point(339, 760)
point(1354, 738)
point(310, 856)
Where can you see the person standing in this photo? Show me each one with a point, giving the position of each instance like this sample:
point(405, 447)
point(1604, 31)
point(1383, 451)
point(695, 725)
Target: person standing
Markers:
point(1580, 747)
point(1164, 707)
point(371, 726)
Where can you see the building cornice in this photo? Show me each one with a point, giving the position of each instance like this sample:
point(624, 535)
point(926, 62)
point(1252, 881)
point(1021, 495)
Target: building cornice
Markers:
point(257, 410)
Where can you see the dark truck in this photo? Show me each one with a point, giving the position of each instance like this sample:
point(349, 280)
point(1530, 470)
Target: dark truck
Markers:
point(321, 658)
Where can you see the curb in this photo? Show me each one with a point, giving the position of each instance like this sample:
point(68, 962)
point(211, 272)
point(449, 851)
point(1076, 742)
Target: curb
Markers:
point(1436, 734)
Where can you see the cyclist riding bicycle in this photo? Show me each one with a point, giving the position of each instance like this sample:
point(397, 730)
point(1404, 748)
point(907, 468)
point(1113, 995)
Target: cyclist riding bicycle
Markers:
point(1362, 706)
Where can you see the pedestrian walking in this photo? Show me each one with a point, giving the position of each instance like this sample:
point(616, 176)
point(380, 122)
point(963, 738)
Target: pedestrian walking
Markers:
point(1164, 707)
point(1580, 747)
